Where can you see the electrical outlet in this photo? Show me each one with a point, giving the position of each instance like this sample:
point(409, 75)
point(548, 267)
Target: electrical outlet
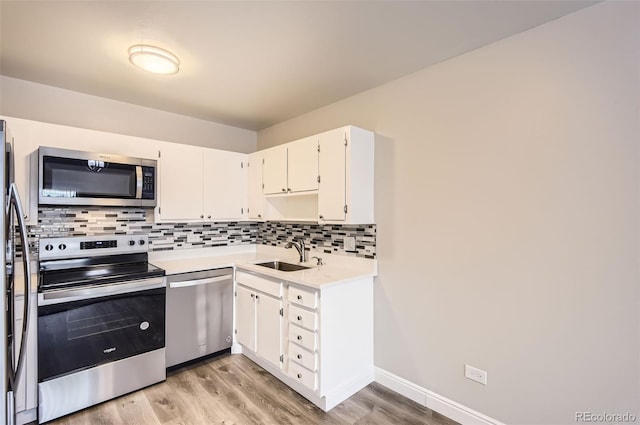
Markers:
point(475, 374)
point(349, 243)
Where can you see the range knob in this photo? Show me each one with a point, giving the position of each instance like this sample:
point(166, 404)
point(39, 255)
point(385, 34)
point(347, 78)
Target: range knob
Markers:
point(48, 247)
point(141, 242)
point(62, 247)
point(132, 242)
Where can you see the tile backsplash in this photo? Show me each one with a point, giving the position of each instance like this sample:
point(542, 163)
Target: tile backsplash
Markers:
point(328, 238)
point(90, 221)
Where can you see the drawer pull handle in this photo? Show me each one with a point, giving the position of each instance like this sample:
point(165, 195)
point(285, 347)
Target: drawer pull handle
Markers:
point(299, 356)
point(299, 376)
point(299, 297)
point(299, 337)
point(299, 317)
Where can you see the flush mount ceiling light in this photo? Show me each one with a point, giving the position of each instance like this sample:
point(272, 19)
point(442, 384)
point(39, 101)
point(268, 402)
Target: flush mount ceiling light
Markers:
point(153, 59)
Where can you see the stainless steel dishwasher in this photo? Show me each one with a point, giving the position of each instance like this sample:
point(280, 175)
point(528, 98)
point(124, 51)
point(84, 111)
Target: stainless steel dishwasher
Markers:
point(199, 314)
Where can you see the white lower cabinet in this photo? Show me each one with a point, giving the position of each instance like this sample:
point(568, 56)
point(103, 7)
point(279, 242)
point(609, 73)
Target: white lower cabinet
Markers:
point(269, 328)
point(326, 339)
point(245, 317)
point(259, 317)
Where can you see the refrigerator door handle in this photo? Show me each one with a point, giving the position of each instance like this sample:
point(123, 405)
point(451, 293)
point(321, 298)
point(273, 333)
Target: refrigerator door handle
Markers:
point(14, 199)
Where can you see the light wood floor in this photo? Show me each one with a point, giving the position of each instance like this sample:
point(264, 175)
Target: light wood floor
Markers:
point(231, 389)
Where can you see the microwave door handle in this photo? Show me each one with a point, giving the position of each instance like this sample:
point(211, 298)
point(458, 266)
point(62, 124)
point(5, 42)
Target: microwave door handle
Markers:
point(26, 264)
point(138, 182)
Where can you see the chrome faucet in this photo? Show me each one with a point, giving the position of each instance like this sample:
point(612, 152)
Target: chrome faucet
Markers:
point(299, 246)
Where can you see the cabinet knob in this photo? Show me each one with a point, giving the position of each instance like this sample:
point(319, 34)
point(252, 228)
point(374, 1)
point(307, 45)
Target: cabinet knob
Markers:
point(259, 215)
point(299, 317)
point(208, 216)
point(299, 356)
point(299, 376)
point(321, 217)
point(299, 297)
point(257, 296)
point(201, 216)
point(299, 337)
point(252, 295)
point(284, 190)
point(288, 189)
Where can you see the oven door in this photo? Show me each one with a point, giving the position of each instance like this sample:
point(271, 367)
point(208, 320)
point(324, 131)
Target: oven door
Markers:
point(82, 328)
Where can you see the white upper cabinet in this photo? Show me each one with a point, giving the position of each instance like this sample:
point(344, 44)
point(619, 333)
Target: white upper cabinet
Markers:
point(223, 185)
point(256, 200)
point(200, 184)
point(302, 165)
point(291, 168)
point(275, 170)
point(346, 176)
point(327, 178)
point(27, 136)
point(181, 183)
point(333, 176)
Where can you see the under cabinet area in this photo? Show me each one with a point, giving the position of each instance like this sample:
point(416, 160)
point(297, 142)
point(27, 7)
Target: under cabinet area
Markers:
point(200, 184)
point(325, 334)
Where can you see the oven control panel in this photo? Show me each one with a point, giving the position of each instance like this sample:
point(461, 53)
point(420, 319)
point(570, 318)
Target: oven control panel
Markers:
point(99, 244)
point(88, 246)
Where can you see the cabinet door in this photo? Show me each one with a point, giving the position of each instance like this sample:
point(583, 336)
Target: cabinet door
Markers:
point(275, 170)
point(223, 185)
point(302, 165)
point(180, 169)
point(333, 179)
point(269, 328)
point(246, 317)
point(256, 207)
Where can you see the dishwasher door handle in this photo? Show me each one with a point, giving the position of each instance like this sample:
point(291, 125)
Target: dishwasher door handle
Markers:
point(196, 282)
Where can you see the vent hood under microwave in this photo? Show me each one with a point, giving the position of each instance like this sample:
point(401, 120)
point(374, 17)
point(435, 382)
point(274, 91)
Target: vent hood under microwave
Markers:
point(69, 177)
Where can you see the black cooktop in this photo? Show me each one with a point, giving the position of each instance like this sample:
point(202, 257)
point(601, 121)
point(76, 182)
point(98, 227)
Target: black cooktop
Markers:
point(107, 270)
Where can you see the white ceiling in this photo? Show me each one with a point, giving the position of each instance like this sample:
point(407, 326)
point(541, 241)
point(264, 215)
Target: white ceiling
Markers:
point(249, 64)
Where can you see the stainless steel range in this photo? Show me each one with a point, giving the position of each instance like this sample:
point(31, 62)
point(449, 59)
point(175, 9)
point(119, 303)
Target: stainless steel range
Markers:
point(101, 321)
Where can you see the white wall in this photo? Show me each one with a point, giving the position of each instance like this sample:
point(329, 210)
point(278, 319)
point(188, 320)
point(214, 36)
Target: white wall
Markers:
point(508, 211)
point(38, 102)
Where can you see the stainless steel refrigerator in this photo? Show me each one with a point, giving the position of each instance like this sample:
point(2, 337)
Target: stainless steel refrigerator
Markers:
point(12, 352)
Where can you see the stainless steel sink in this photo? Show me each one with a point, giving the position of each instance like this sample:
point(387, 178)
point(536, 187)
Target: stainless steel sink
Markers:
point(282, 266)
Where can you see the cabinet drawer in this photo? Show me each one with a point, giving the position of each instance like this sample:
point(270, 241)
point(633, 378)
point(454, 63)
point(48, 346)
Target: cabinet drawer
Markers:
point(267, 286)
point(302, 337)
point(304, 357)
point(305, 376)
point(305, 318)
point(307, 298)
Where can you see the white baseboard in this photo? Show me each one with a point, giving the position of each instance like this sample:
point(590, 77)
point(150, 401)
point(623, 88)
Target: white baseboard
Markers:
point(444, 406)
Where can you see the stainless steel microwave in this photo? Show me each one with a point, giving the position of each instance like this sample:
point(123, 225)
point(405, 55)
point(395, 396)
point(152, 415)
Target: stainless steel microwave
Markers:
point(69, 177)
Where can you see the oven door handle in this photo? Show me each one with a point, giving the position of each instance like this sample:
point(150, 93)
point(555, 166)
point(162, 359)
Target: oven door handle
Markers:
point(79, 294)
point(195, 282)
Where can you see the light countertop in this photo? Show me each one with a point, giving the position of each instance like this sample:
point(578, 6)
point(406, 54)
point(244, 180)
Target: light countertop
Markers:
point(336, 270)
